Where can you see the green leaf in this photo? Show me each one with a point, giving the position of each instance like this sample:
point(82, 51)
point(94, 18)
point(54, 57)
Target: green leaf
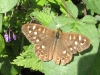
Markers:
point(6, 5)
point(7, 68)
point(81, 62)
point(28, 59)
point(55, 1)
point(1, 19)
point(2, 43)
point(1, 73)
point(95, 67)
point(40, 2)
point(99, 28)
point(44, 16)
point(89, 19)
point(96, 64)
point(99, 31)
point(63, 21)
point(72, 9)
point(94, 5)
point(97, 17)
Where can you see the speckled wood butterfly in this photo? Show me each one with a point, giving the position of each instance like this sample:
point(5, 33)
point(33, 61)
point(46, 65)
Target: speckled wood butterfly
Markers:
point(54, 45)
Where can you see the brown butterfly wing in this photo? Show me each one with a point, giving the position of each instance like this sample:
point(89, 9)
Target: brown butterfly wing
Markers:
point(61, 54)
point(75, 42)
point(45, 50)
point(43, 39)
point(69, 44)
point(36, 33)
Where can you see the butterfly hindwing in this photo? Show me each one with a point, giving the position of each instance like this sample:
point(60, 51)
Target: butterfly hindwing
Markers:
point(61, 54)
point(45, 49)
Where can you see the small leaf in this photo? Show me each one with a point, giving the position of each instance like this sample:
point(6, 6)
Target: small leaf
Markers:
point(6, 5)
point(99, 31)
point(7, 68)
point(94, 5)
point(40, 2)
point(2, 43)
point(89, 19)
point(44, 16)
point(1, 19)
point(55, 1)
point(28, 59)
point(97, 17)
point(72, 9)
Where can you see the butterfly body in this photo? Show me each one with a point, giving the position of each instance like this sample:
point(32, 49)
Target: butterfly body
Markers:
point(56, 45)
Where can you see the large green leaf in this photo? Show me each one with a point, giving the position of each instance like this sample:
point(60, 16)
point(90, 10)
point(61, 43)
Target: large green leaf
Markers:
point(94, 5)
point(81, 62)
point(6, 5)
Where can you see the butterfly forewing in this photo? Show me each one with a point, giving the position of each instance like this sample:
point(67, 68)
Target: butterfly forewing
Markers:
point(75, 42)
point(36, 33)
point(58, 46)
point(42, 37)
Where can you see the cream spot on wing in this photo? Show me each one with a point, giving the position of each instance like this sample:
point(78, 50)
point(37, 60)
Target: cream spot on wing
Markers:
point(75, 42)
point(34, 27)
point(28, 27)
point(80, 37)
point(64, 52)
point(81, 44)
point(30, 31)
point(68, 55)
point(71, 49)
point(34, 37)
point(43, 31)
point(37, 40)
point(35, 33)
point(38, 47)
point(70, 37)
point(84, 40)
point(74, 47)
point(39, 29)
point(43, 46)
point(74, 37)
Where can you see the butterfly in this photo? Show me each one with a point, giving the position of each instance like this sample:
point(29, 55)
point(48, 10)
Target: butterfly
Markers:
point(54, 45)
